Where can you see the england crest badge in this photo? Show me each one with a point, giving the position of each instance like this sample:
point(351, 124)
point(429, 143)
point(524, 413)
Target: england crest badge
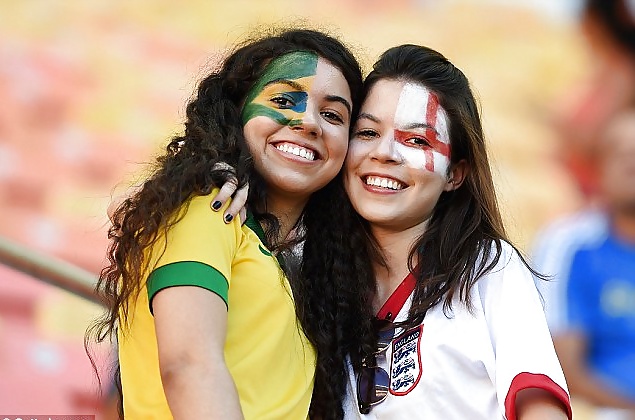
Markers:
point(405, 364)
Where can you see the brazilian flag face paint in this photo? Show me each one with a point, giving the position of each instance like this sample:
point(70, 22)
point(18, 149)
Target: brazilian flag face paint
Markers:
point(282, 92)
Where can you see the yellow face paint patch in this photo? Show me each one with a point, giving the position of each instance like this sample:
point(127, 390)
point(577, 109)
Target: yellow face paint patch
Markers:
point(283, 101)
point(282, 92)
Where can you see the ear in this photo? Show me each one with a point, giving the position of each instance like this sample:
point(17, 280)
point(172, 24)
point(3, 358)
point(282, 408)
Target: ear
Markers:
point(457, 175)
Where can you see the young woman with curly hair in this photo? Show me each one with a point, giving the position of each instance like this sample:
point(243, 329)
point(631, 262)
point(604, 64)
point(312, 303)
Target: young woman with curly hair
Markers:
point(213, 319)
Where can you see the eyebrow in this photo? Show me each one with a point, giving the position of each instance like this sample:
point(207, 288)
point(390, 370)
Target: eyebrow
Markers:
point(335, 98)
point(420, 125)
point(297, 86)
point(365, 115)
point(291, 83)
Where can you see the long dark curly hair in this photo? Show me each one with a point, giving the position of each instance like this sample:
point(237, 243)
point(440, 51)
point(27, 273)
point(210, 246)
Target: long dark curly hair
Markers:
point(326, 285)
point(463, 239)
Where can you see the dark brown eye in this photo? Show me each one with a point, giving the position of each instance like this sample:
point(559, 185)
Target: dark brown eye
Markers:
point(332, 116)
point(418, 141)
point(282, 102)
point(366, 133)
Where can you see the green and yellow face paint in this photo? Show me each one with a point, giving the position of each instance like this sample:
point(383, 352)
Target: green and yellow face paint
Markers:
point(283, 90)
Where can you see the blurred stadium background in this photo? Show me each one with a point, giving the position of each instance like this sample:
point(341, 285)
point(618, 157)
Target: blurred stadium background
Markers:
point(90, 90)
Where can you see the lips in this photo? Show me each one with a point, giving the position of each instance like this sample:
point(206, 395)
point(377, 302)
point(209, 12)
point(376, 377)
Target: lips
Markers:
point(383, 181)
point(297, 150)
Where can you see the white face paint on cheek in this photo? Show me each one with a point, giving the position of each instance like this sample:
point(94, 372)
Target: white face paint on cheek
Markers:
point(357, 151)
point(415, 158)
point(417, 105)
point(441, 164)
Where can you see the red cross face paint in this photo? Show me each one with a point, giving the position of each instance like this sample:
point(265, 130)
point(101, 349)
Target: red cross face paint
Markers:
point(419, 116)
point(398, 160)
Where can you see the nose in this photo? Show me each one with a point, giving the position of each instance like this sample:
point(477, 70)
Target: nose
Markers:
point(385, 150)
point(309, 123)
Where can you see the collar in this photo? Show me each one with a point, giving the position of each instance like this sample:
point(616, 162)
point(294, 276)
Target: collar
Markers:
point(253, 224)
point(398, 298)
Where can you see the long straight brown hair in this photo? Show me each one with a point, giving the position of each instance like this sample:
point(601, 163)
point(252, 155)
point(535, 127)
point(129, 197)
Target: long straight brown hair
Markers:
point(465, 234)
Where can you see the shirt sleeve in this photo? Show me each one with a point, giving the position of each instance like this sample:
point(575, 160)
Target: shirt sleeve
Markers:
point(524, 353)
point(197, 250)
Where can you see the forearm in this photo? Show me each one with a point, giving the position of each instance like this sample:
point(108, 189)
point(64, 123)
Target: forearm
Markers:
point(572, 350)
point(538, 404)
point(194, 391)
point(585, 385)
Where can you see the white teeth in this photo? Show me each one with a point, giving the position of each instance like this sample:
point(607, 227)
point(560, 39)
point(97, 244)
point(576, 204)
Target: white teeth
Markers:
point(297, 151)
point(383, 183)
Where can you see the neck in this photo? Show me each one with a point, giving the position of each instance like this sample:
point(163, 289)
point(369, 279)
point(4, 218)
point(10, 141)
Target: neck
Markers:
point(287, 209)
point(395, 246)
point(624, 225)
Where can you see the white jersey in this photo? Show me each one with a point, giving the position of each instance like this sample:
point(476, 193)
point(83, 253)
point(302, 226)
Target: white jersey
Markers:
point(469, 364)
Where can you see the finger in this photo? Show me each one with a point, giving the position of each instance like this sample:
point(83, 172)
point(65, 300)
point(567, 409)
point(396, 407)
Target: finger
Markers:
point(239, 200)
point(223, 166)
point(243, 215)
point(226, 191)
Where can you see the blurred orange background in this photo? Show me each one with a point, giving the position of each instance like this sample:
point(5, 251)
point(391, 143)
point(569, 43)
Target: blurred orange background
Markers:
point(92, 90)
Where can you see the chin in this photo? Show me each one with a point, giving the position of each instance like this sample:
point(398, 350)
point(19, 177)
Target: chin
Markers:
point(289, 185)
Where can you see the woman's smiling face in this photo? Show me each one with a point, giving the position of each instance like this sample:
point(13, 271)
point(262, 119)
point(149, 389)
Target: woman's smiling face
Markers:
point(399, 156)
point(296, 122)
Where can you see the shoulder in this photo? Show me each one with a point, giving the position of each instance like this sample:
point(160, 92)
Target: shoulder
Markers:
point(199, 206)
point(556, 244)
point(197, 217)
point(570, 232)
point(194, 231)
point(581, 224)
point(508, 256)
point(510, 271)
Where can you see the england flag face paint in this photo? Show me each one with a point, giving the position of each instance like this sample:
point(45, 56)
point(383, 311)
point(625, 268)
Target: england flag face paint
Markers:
point(420, 119)
point(398, 161)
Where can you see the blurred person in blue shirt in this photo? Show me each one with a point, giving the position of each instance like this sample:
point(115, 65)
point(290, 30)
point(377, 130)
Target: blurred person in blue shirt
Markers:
point(590, 303)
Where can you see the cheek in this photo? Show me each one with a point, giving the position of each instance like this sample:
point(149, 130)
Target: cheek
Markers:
point(357, 150)
point(441, 164)
point(256, 131)
point(249, 131)
point(288, 115)
point(414, 158)
point(428, 159)
point(338, 145)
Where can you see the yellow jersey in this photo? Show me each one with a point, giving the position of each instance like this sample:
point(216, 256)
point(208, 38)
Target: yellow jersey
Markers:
point(269, 357)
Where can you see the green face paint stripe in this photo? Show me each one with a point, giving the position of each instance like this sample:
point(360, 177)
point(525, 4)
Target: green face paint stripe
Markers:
point(294, 123)
point(254, 110)
point(290, 66)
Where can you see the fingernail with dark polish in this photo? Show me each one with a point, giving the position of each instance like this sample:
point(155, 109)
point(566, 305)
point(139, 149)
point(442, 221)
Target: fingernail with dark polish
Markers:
point(216, 205)
point(228, 218)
